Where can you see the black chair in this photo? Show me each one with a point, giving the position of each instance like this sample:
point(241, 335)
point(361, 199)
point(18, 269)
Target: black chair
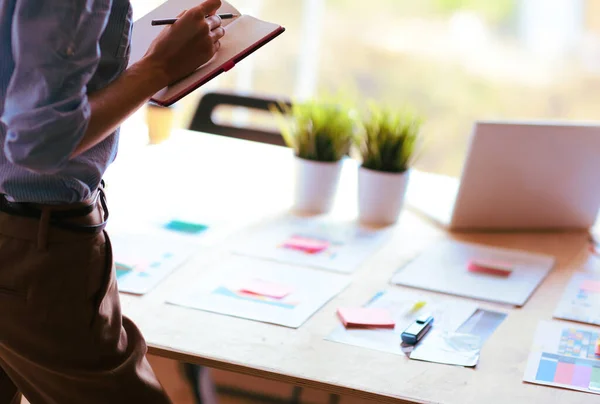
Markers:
point(203, 118)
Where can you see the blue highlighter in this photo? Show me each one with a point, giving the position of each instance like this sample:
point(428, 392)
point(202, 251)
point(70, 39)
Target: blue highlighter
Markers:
point(417, 330)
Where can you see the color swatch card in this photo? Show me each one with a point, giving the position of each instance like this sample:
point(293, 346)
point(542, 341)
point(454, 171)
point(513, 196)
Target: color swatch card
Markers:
point(261, 290)
point(315, 242)
point(144, 261)
point(565, 356)
point(404, 307)
point(581, 299)
point(476, 271)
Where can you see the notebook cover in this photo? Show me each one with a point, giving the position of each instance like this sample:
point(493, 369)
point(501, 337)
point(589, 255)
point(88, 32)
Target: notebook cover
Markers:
point(218, 70)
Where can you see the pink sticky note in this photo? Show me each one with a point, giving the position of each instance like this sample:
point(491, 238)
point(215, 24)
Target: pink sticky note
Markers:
point(366, 318)
point(265, 288)
point(308, 245)
point(490, 267)
point(597, 348)
point(590, 285)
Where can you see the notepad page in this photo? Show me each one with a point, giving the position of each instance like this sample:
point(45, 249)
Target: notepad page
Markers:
point(144, 32)
point(241, 34)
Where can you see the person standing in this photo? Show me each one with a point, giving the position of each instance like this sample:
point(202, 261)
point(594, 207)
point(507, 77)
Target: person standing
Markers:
point(64, 91)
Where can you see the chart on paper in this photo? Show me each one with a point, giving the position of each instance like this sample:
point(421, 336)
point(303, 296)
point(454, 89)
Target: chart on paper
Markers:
point(581, 299)
point(565, 357)
point(142, 262)
point(261, 290)
point(316, 242)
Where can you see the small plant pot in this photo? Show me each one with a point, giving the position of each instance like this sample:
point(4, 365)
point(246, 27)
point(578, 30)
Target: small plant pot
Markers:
point(316, 185)
point(380, 196)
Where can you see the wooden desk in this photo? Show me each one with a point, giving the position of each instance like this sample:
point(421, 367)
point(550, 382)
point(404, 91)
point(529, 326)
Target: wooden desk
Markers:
point(255, 180)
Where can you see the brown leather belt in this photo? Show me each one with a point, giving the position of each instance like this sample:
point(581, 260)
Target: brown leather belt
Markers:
point(57, 217)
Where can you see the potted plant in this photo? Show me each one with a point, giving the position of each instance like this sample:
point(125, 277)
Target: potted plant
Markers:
point(320, 133)
point(387, 147)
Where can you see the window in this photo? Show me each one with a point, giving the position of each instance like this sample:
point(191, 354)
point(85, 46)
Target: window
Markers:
point(455, 60)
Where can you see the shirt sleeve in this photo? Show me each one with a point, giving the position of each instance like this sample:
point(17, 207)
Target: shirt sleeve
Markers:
point(55, 46)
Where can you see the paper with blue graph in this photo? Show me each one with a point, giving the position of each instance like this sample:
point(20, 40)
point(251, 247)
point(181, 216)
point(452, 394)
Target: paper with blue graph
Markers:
point(261, 290)
point(142, 262)
point(581, 299)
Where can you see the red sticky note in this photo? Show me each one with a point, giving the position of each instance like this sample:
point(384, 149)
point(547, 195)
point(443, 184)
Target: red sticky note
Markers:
point(265, 288)
point(490, 267)
point(308, 245)
point(591, 286)
point(364, 317)
point(597, 348)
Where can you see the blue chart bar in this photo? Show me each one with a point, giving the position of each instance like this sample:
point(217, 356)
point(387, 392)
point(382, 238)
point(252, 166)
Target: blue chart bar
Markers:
point(546, 370)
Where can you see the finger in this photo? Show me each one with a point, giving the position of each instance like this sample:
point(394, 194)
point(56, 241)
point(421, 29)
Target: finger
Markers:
point(181, 14)
point(214, 22)
point(209, 7)
point(217, 34)
point(216, 46)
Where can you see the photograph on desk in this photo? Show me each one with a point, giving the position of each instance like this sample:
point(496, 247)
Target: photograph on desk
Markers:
point(566, 356)
point(261, 290)
point(458, 328)
point(581, 299)
point(142, 262)
point(340, 246)
point(477, 271)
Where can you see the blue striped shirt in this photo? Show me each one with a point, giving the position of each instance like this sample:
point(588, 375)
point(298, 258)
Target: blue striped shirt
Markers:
point(53, 53)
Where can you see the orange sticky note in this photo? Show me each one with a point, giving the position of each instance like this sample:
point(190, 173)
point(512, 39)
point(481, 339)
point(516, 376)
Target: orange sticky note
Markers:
point(490, 267)
point(590, 285)
point(308, 245)
point(265, 288)
point(365, 317)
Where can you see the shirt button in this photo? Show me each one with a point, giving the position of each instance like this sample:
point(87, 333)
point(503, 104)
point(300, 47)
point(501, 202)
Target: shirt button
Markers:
point(70, 51)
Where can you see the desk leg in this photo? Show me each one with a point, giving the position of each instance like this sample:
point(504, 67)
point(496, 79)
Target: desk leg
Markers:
point(296, 395)
point(201, 383)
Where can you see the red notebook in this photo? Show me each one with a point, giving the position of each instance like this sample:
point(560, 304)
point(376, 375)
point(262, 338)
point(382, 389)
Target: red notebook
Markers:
point(244, 35)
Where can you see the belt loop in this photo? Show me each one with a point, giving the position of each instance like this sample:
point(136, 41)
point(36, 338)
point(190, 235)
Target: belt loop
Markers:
point(43, 229)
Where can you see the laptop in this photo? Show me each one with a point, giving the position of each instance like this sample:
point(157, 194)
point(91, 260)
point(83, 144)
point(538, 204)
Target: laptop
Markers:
point(517, 176)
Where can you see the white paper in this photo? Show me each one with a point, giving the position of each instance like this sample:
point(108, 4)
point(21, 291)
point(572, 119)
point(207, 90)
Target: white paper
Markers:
point(578, 304)
point(443, 268)
point(448, 315)
point(449, 348)
point(151, 259)
point(155, 224)
point(563, 356)
point(219, 291)
point(350, 244)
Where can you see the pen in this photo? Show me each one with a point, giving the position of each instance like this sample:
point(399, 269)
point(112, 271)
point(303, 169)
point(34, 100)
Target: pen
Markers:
point(168, 21)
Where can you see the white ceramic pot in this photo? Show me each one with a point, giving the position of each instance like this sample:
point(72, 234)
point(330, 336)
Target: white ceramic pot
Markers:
point(380, 196)
point(316, 185)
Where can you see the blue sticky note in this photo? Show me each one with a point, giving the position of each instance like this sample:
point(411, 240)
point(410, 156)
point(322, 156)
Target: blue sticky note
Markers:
point(186, 227)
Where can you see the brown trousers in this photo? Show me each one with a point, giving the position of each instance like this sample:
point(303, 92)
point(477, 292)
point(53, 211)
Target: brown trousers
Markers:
point(63, 339)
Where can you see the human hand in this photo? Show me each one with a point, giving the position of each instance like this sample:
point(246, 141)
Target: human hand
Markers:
point(188, 43)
